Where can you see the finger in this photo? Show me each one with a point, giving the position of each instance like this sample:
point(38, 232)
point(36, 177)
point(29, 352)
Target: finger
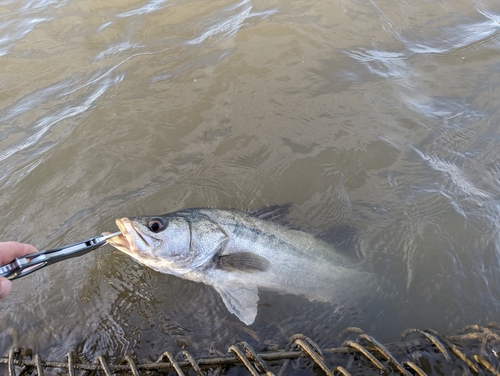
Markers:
point(5, 287)
point(10, 250)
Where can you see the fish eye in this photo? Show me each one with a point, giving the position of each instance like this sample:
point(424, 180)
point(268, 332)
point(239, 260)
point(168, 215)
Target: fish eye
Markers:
point(156, 225)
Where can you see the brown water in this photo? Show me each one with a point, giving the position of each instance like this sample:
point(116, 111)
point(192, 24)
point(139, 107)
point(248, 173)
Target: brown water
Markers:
point(379, 115)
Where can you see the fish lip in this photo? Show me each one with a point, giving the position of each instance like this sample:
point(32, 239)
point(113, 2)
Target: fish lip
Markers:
point(136, 243)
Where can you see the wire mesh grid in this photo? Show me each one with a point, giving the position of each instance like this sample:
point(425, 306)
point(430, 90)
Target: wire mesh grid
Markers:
point(473, 350)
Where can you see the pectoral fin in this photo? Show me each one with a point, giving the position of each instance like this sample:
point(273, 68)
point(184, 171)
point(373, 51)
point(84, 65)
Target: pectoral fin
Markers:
point(240, 300)
point(246, 262)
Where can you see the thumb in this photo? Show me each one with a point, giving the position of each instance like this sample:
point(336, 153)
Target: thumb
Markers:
point(5, 287)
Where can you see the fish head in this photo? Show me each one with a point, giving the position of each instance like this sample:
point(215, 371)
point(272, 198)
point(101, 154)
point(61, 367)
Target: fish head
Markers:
point(175, 243)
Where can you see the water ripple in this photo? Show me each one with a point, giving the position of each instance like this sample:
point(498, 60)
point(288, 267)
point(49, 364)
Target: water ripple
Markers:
point(150, 7)
point(454, 172)
point(22, 19)
point(229, 26)
point(47, 122)
point(30, 135)
point(15, 30)
point(452, 39)
point(117, 49)
point(383, 63)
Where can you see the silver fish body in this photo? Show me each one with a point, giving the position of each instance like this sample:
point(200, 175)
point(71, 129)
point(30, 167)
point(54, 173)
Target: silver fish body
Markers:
point(237, 254)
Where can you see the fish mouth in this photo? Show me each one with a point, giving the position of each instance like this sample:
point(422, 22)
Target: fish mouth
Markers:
point(131, 241)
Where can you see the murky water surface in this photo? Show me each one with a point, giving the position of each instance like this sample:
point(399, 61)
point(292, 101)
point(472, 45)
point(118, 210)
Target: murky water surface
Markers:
point(379, 115)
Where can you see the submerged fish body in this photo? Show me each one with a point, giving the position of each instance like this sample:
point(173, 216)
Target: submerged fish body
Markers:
point(238, 253)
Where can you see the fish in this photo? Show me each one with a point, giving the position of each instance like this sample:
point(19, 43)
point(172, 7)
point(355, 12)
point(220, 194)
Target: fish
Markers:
point(239, 253)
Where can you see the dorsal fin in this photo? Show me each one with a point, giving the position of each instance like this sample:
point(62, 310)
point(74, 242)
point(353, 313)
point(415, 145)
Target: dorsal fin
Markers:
point(344, 238)
point(273, 213)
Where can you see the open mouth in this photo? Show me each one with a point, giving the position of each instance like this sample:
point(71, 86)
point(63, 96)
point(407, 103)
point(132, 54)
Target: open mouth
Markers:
point(118, 241)
point(128, 239)
point(131, 240)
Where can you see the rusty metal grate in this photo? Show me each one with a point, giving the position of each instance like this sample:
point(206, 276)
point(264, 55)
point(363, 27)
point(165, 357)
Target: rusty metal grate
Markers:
point(474, 350)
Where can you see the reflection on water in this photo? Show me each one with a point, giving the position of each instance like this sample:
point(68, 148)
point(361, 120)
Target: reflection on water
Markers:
point(375, 115)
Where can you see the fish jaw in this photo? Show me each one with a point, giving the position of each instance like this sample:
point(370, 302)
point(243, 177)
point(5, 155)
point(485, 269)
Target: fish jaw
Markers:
point(132, 241)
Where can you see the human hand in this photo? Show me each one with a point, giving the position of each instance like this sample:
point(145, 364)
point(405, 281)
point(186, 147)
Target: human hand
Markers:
point(8, 252)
